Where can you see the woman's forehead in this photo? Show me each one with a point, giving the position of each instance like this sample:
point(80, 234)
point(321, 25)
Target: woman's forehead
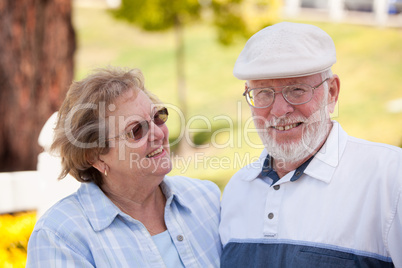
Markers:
point(131, 103)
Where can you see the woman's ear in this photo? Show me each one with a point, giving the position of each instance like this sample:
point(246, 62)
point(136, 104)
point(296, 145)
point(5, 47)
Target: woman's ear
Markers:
point(99, 164)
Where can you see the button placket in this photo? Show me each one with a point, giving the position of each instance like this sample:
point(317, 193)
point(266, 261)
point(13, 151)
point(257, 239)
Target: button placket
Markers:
point(176, 226)
point(272, 205)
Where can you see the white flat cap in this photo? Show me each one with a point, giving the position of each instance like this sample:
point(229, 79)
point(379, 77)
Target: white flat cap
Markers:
point(285, 50)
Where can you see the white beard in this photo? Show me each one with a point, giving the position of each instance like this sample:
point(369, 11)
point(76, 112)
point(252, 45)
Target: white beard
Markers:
point(314, 132)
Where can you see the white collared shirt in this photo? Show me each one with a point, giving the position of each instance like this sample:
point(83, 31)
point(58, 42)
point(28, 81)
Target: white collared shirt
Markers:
point(348, 200)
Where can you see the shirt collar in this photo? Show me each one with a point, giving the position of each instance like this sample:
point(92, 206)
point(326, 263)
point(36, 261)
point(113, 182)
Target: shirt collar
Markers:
point(101, 211)
point(172, 193)
point(268, 170)
point(325, 161)
point(321, 166)
point(251, 171)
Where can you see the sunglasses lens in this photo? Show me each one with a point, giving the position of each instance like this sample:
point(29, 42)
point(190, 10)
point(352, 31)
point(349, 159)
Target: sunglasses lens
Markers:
point(139, 130)
point(161, 116)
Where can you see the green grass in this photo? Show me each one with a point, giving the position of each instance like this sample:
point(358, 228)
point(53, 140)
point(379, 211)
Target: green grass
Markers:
point(369, 65)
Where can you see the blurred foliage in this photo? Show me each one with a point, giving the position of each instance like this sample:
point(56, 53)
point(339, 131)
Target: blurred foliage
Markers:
point(15, 230)
point(157, 15)
point(205, 135)
point(231, 17)
point(243, 18)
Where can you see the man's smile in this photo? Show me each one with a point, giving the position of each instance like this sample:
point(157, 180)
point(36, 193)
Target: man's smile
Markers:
point(286, 127)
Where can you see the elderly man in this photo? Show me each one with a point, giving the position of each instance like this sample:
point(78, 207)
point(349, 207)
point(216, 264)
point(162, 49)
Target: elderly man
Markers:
point(317, 197)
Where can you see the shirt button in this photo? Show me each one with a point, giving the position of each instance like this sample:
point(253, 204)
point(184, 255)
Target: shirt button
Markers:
point(276, 187)
point(270, 216)
point(180, 238)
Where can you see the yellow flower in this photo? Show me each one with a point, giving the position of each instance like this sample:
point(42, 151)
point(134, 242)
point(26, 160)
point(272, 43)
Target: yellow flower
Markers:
point(15, 230)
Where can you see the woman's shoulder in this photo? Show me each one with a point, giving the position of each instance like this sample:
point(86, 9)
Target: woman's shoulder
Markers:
point(64, 213)
point(63, 229)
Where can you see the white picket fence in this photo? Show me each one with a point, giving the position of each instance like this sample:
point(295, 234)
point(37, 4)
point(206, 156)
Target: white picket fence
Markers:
point(19, 191)
point(37, 189)
point(34, 190)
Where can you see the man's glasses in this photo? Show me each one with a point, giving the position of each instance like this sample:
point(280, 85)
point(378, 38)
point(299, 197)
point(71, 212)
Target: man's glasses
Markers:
point(140, 130)
point(293, 94)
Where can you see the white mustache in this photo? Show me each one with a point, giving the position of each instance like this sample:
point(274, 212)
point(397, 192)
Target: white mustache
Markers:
point(317, 116)
point(285, 121)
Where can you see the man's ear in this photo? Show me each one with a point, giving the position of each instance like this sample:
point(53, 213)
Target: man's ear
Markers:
point(333, 92)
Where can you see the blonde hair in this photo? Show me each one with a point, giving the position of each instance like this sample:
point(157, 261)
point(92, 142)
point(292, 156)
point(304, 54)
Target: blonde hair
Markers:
point(80, 130)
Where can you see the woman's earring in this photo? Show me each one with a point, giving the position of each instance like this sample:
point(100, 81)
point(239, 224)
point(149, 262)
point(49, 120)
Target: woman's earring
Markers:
point(105, 172)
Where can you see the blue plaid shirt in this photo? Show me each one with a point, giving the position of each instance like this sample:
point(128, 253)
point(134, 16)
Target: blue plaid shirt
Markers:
point(86, 229)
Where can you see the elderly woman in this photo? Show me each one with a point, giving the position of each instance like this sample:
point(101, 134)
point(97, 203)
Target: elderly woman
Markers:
point(112, 137)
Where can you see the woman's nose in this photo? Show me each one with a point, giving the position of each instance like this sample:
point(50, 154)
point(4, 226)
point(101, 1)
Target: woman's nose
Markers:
point(155, 132)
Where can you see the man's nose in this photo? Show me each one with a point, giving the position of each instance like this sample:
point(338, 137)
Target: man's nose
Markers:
point(280, 106)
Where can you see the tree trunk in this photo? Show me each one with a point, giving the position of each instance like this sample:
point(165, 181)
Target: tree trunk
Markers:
point(37, 44)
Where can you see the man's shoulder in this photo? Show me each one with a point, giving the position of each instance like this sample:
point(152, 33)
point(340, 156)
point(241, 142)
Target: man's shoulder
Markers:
point(358, 145)
point(380, 162)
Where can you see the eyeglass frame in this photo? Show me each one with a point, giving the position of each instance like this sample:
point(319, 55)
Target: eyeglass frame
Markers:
point(248, 90)
point(148, 122)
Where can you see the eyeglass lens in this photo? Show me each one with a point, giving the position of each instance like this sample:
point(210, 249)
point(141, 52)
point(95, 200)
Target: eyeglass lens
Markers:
point(294, 94)
point(141, 129)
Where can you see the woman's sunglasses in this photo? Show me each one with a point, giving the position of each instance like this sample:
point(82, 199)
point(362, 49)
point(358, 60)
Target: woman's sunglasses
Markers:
point(141, 129)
